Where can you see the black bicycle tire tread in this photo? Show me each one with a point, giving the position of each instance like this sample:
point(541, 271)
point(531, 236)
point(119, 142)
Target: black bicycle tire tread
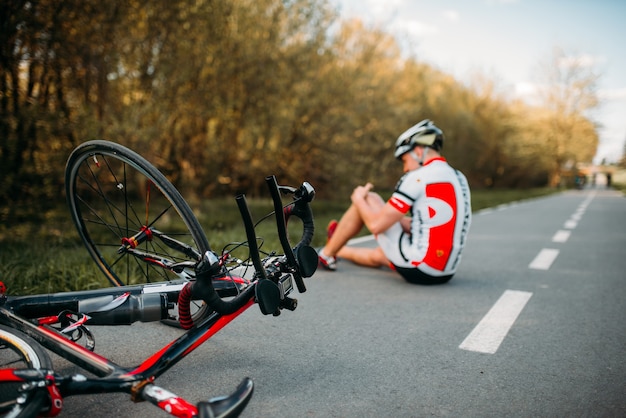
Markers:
point(40, 397)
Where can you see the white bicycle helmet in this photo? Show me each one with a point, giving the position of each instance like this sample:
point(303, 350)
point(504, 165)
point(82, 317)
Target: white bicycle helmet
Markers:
point(424, 133)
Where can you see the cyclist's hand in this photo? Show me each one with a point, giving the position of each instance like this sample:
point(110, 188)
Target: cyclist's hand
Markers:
point(361, 192)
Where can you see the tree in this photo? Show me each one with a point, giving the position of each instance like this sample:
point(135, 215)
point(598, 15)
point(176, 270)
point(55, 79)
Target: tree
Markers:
point(569, 92)
point(218, 94)
point(55, 59)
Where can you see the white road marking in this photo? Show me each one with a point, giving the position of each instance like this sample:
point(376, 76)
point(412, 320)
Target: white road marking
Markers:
point(561, 236)
point(487, 336)
point(570, 224)
point(544, 259)
point(360, 240)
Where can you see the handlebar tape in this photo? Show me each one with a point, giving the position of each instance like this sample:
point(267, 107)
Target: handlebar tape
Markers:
point(281, 225)
point(305, 214)
point(208, 268)
point(203, 289)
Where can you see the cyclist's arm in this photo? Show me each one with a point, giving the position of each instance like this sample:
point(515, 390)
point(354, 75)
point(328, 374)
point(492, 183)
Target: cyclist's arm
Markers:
point(406, 224)
point(386, 217)
point(377, 215)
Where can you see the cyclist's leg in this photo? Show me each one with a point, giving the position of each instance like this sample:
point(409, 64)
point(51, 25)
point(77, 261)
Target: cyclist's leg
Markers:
point(368, 257)
point(349, 226)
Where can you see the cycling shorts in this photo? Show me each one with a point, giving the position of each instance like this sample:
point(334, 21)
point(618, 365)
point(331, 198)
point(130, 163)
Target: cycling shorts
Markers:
point(390, 243)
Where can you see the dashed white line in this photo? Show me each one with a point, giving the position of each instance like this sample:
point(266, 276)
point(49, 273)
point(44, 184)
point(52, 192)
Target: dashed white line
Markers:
point(577, 216)
point(487, 336)
point(544, 259)
point(570, 224)
point(561, 236)
point(362, 239)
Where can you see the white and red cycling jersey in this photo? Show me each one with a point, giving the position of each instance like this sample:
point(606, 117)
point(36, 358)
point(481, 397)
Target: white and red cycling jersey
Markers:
point(438, 199)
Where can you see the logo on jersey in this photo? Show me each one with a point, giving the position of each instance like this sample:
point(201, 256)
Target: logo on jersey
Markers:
point(441, 201)
point(440, 212)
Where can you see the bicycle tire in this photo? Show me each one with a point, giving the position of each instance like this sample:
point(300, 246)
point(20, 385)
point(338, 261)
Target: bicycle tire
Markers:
point(113, 192)
point(18, 350)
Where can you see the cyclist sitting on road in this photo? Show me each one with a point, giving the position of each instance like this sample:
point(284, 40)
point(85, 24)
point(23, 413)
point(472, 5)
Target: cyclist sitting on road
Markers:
point(425, 247)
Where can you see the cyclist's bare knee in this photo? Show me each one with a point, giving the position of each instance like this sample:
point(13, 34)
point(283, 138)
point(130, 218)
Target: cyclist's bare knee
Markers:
point(375, 200)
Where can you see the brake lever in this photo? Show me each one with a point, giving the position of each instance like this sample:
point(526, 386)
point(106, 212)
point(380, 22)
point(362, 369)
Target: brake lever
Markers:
point(305, 192)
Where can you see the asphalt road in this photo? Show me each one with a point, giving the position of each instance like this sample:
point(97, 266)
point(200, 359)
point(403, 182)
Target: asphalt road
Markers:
point(513, 334)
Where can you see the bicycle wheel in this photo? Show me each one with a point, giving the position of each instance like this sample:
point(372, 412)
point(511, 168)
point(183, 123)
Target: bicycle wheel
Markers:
point(134, 223)
point(19, 351)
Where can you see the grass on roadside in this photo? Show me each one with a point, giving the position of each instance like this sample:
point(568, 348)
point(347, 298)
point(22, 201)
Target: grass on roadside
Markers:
point(49, 257)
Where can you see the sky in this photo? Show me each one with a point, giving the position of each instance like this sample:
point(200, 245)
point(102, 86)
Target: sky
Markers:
point(508, 40)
